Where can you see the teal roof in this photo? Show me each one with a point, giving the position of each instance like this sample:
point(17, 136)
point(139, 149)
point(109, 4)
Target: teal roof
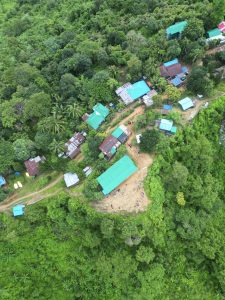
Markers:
point(176, 28)
point(117, 132)
point(171, 62)
point(173, 129)
point(95, 120)
point(166, 125)
point(18, 210)
point(98, 116)
point(113, 150)
point(116, 174)
point(213, 32)
point(101, 109)
point(186, 103)
point(138, 89)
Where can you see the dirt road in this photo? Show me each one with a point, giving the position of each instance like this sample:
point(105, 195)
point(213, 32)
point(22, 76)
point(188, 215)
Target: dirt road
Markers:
point(35, 197)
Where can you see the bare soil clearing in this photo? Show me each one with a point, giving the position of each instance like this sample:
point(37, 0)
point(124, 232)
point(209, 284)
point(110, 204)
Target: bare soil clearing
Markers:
point(130, 195)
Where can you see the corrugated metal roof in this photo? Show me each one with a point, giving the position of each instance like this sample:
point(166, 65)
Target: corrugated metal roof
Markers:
point(171, 62)
point(176, 81)
point(98, 116)
point(117, 132)
point(71, 179)
point(214, 32)
point(116, 174)
point(138, 89)
point(101, 109)
point(186, 103)
point(176, 28)
point(166, 125)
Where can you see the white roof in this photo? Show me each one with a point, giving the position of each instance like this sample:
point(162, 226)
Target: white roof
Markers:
point(71, 179)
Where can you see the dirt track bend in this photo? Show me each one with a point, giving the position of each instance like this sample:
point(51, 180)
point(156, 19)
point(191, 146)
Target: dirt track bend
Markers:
point(36, 196)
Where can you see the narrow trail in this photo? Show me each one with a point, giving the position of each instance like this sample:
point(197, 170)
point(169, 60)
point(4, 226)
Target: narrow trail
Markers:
point(13, 200)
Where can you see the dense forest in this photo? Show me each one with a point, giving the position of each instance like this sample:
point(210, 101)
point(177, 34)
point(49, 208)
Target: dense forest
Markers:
point(58, 59)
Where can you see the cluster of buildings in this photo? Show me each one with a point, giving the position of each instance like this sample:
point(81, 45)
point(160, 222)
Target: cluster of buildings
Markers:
point(111, 143)
point(129, 92)
point(216, 33)
point(174, 72)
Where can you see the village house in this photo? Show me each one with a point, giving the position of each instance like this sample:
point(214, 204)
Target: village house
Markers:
point(32, 165)
point(95, 119)
point(71, 179)
point(110, 145)
point(116, 174)
point(175, 31)
point(128, 93)
point(72, 147)
point(166, 126)
point(186, 103)
point(174, 72)
point(215, 34)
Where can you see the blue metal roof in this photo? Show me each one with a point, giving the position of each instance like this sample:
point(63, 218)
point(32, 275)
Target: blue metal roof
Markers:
point(167, 107)
point(138, 89)
point(166, 125)
point(186, 103)
point(184, 69)
point(176, 81)
point(2, 180)
point(171, 62)
point(18, 210)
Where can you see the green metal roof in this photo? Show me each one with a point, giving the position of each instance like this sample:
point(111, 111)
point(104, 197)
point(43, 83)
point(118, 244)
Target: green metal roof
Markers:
point(176, 28)
point(117, 132)
point(213, 32)
point(116, 174)
point(98, 116)
point(95, 120)
point(101, 109)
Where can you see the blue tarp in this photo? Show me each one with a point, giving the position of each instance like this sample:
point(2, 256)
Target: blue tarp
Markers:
point(171, 62)
point(18, 210)
point(166, 125)
point(138, 89)
point(176, 81)
point(186, 103)
point(2, 180)
point(167, 107)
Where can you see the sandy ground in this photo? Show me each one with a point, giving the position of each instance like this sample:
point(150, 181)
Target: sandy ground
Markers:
point(130, 195)
point(217, 49)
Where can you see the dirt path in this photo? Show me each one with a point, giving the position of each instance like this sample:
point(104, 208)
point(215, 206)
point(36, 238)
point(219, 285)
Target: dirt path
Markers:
point(36, 196)
point(137, 111)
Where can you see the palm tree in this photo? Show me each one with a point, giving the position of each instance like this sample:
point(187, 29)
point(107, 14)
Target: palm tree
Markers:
point(74, 110)
point(57, 146)
point(58, 123)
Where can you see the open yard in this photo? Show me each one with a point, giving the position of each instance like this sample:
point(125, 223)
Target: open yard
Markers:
point(130, 195)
